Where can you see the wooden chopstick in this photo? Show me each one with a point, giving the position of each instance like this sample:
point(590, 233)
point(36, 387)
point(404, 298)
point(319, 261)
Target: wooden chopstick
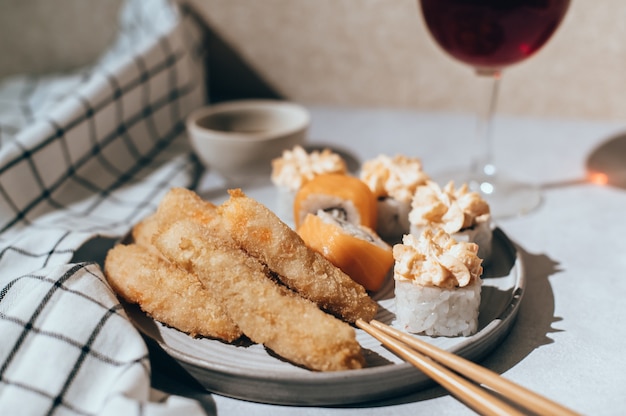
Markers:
point(437, 364)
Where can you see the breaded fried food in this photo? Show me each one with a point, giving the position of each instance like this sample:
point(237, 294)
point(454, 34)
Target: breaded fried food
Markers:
point(177, 204)
point(181, 203)
point(168, 293)
point(144, 230)
point(280, 248)
point(263, 235)
point(267, 312)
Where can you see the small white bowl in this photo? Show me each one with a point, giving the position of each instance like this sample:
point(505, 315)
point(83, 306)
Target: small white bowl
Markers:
point(239, 139)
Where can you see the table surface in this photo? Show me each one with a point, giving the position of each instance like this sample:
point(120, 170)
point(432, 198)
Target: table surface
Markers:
point(567, 342)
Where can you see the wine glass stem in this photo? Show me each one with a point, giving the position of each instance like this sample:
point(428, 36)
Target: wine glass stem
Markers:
point(482, 163)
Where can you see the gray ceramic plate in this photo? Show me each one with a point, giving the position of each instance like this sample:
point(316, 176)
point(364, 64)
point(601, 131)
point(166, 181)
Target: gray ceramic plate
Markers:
point(253, 373)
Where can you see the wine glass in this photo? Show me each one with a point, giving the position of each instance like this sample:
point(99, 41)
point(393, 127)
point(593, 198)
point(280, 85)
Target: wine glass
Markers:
point(490, 35)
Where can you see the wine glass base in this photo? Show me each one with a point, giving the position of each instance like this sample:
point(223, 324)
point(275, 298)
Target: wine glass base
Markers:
point(506, 197)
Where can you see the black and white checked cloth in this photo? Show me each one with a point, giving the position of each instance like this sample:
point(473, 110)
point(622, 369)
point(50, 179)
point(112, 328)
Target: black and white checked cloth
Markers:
point(85, 156)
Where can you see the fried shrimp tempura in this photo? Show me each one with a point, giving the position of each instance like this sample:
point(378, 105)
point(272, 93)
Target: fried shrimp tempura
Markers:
point(166, 292)
point(267, 313)
point(181, 203)
point(275, 245)
point(263, 235)
point(143, 231)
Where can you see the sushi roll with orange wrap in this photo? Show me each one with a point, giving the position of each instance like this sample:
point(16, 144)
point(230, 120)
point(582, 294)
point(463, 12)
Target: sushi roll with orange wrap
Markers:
point(355, 249)
point(298, 166)
point(345, 197)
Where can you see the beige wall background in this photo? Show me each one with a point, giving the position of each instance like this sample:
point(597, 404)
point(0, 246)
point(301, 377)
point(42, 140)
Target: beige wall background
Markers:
point(374, 53)
point(46, 36)
point(378, 53)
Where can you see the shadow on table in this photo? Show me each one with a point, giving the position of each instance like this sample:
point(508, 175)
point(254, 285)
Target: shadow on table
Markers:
point(605, 165)
point(168, 376)
point(534, 323)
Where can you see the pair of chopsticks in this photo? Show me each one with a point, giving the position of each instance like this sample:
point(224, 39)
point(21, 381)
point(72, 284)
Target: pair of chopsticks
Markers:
point(462, 377)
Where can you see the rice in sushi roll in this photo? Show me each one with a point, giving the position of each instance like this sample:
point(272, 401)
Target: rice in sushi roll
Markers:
point(357, 250)
point(459, 212)
point(296, 167)
point(393, 182)
point(344, 196)
point(438, 284)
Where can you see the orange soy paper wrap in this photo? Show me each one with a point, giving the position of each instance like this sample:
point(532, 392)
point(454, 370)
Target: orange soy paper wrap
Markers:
point(337, 191)
point(366, 262)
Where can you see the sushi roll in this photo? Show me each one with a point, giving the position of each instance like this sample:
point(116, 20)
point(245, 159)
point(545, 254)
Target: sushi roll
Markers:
point(344, 196)
point(355, 249)
point(393, 182)
point(459, 212)
point(296, 167)
point(437, 284)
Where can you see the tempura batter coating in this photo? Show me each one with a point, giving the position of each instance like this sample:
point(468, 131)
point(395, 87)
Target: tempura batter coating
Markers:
point(280, 248)
point(263, 235)
point(181, 203)
point(267, 313)
point(144, 230)
point(168, 293)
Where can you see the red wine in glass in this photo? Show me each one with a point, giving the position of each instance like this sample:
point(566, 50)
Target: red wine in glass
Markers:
point(490, 35)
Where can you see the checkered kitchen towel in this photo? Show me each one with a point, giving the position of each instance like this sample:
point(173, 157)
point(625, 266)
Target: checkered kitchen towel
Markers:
point(87, 155)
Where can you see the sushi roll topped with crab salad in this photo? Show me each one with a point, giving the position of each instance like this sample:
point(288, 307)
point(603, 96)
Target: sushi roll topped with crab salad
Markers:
point(393, 180)
point(296, 167)
point(437, 284)
point(458, 211)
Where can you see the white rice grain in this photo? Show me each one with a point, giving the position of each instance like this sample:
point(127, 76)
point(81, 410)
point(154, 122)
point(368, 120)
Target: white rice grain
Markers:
point(437, 311)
